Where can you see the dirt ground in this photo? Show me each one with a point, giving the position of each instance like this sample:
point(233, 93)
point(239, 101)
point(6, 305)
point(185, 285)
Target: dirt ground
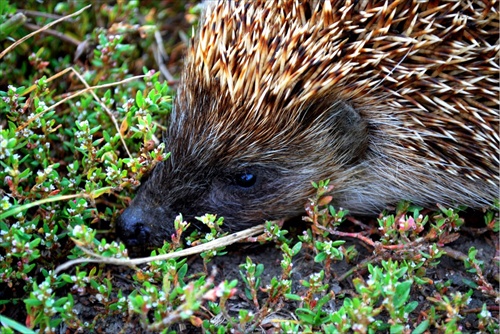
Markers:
point(270, 256)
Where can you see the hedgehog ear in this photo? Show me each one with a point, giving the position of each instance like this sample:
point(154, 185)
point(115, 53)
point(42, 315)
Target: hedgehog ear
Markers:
point(346, 128)
point(349, 131)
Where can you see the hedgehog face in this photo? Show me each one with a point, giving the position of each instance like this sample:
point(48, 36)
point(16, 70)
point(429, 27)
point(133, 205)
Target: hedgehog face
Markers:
point(236, 172)
point(238, 194)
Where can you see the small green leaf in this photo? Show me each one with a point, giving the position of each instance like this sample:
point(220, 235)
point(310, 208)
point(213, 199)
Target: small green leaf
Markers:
point(338, 243)
point(411, 306)
point(7, 322)
point(421, 328)
point(101, 191)
point(296, 248)
point(320, 257)
point(397, 328)
point(181, 273)
point(402, 293)
point(259, 270)
point(32, 302)
point(139, 99)
point(305, 315)
point(292, 296)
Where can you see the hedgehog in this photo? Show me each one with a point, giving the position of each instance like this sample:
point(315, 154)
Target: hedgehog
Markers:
point(389, 100)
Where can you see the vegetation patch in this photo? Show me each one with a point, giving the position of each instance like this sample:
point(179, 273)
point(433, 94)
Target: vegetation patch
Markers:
point(84, 99)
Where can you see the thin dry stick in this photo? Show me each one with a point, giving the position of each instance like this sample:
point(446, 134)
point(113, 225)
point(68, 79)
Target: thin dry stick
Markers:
point(21, 208)
point(55, 76)
point(221, 242)
point(112, 84)
point(160, 55)
point(110, 114)
point(55, 33)
point(40, 30)
point(90, 89)
point(35, 13)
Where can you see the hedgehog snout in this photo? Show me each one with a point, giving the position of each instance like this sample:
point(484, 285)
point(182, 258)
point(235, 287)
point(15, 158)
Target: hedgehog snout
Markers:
point(145, 223)
point(132, 226)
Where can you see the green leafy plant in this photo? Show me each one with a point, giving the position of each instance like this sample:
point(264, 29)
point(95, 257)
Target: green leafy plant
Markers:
point(81, 120)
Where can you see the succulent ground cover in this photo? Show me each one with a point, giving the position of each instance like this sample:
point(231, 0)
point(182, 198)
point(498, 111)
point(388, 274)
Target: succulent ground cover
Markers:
point(83, 104)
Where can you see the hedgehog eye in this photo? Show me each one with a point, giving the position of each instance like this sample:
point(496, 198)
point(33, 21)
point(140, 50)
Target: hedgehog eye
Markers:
point(245, 180)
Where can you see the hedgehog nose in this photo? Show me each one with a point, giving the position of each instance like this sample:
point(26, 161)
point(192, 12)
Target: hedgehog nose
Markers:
point(132, 228)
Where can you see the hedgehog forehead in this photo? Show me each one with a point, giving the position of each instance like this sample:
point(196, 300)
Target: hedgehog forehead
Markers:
point(208, 129)
point(221, 135)
point(207, 123)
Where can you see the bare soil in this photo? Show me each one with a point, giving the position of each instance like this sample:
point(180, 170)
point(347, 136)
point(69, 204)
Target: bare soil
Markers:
point(449, 270)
